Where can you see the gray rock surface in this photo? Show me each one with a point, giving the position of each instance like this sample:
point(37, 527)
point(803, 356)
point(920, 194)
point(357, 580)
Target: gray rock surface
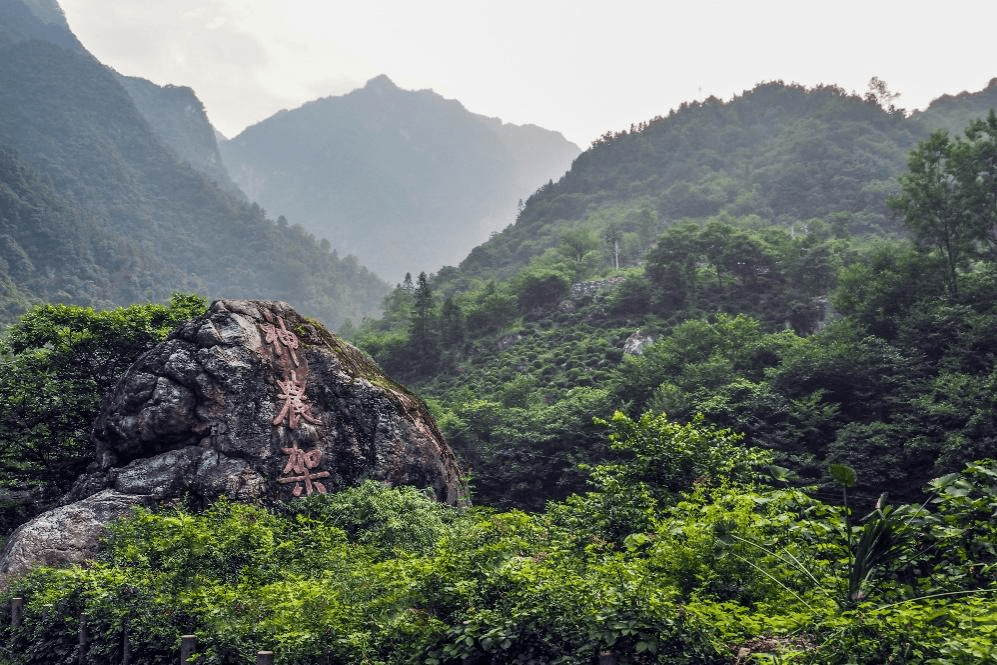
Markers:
point(65, 535)
point(250, 401)
point(636, 343)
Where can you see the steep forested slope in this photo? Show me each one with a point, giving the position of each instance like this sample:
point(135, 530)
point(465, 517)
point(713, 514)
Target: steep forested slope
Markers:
point(50, 248)
point(954, 112)
point(807, 320)
point(780, 154)
point(69, 119)
point(178, 119)
point(405, 180)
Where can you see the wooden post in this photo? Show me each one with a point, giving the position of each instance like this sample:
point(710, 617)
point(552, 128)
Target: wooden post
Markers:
point(188, 645)
point(126, 646)
point(84, 640)
point(16, 610)
point(264, 658)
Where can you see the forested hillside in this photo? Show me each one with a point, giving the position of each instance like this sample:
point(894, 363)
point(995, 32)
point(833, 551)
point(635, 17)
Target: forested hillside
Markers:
point(752, 439)
point(178, 119)
point(405, 180)
point(51, 249)
point(76, 139)
point(823, 322)
point(778, 154)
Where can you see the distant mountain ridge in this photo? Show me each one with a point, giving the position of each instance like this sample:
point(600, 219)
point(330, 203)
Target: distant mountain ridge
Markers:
point(178, 118)
point(73, 138)
point(777, 154)
point(405, 180)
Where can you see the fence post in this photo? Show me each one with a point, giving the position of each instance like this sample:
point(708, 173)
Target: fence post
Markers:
point(84, 639)
point(188, 645)
point(264, 658)
point(126, 646)
point(16, 609)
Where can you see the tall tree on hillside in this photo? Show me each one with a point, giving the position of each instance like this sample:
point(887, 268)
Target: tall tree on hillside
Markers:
point(975, 159)
point(929, 202)
point(948, 197)
point(423, 338)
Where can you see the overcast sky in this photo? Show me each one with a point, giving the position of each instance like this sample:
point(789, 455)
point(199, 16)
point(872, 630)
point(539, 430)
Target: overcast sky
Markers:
point(581, 67)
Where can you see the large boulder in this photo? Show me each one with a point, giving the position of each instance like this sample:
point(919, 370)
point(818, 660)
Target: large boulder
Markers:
point(250, 401)
point(64, 535)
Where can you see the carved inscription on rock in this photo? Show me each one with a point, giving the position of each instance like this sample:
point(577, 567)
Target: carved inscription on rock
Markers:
point(301, 464)
point(292, 394)
point(281, 337)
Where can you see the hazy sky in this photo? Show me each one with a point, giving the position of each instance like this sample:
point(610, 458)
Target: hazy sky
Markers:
point(580, 67)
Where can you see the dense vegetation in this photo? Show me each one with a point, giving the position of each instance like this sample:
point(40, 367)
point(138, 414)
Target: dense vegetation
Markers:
point(824, 348)
point(56, 364)
point(818, 492)
point(678, 556)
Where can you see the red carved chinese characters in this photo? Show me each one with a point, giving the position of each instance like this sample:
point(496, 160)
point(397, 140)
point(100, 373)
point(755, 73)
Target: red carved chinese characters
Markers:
point(281, 336)
point(292, 392)
point(301, 463)
point(294, 408)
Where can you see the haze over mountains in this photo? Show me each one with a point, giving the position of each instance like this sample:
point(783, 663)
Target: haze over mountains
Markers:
point(99, 209)
point(115, 190)
point(405, 180)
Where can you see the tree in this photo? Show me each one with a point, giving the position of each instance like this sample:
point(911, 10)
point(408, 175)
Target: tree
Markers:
point(879, 93)
point(673, 266)
point(948, 197)
point(930, 205)
point(423, 338)
point(537, 288)
point(975, 162)
point(578, 244)
point(613, 234)
point(452, 325)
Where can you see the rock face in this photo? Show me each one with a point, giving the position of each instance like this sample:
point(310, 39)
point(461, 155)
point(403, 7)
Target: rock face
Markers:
point(250, 401)
point(636, 343)
point(64, 535)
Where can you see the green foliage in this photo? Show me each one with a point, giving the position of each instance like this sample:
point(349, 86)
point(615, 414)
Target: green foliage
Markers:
point(769, 275)
point(779, 153)
point(726, 571)
point(947, 196)
point(393, 520)
point(665, 458)
point(541, 288)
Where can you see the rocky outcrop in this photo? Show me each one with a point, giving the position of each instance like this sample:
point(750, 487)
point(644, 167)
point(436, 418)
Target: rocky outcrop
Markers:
point(636, 343)
point(250, 401)
point(65, 535)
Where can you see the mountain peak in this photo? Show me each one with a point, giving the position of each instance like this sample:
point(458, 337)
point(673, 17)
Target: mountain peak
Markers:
point(381, 83)
point(21, 20)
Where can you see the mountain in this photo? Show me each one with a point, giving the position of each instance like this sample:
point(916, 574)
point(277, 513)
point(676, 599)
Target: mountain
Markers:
point(77, 139)
point(405, 180)
point(777, 154)
point(762, 281)
point(178, 119)
point(954, 112)
point(36, 19)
